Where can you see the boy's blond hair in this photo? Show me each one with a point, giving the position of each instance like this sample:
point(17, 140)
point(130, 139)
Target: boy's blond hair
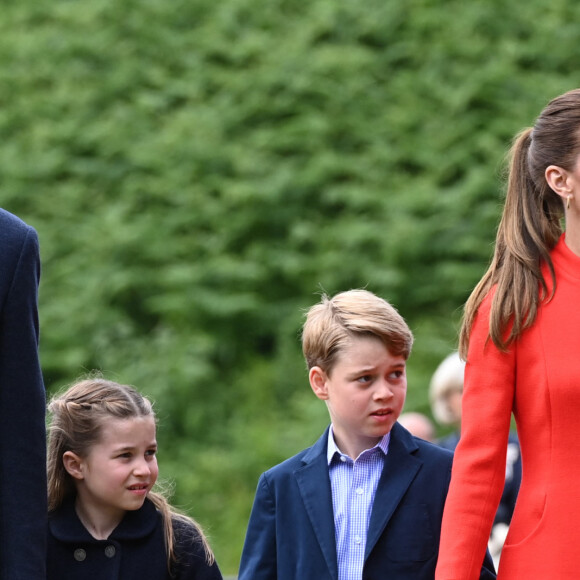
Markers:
point(332, 322)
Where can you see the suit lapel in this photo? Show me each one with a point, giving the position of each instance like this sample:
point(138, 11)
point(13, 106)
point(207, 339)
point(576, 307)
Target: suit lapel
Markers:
point(400, 468)
point(314, 485)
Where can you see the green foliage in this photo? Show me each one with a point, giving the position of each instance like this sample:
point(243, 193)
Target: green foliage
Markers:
point(200, 171)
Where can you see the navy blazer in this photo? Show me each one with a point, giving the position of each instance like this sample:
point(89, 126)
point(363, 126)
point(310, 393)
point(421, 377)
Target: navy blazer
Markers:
point(22, 407)
point(291, 533)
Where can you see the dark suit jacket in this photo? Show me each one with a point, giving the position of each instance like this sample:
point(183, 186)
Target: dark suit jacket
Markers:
point(22, 407)
point(135, 550)
point(291, 535)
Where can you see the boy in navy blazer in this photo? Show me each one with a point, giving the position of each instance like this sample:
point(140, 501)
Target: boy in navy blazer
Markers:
point(365, 501)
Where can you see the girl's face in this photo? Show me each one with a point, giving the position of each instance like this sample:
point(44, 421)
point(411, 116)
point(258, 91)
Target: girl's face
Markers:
point(120, 470)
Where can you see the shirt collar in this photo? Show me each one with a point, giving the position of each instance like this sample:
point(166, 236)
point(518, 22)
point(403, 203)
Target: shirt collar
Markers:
point(332, 448)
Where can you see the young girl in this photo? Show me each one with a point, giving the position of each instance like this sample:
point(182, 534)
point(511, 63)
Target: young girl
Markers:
point(105, 523)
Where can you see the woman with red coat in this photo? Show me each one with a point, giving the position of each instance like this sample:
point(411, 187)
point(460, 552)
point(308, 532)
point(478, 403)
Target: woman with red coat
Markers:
point(521, 339)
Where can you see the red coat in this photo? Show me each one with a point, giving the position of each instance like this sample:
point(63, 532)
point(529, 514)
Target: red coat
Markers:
point(539, 380)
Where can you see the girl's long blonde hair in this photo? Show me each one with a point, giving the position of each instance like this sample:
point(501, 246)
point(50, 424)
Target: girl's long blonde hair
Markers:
point(530, 226)
point(77, 419)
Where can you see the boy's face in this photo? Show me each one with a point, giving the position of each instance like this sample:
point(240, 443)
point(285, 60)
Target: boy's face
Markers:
point(365, 393)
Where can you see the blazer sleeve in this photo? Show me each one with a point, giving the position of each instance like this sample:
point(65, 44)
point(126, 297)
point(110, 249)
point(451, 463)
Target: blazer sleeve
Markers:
point(478, 473)
point(259, 559)
point(23, 503)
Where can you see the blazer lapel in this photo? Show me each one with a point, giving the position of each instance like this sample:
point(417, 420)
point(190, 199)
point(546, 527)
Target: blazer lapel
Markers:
point(314, 485)
point(398, 472)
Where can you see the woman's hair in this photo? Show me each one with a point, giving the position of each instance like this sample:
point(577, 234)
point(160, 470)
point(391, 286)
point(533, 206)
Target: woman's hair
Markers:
point(78, 417)
point(530, 225)
point(332, 322)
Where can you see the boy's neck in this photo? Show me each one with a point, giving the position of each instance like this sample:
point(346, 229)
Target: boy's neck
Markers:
point(353, 448)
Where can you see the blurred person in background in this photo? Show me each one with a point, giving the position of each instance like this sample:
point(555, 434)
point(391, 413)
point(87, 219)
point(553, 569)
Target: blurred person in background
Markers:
point(23, 502)
point(446, 393)
point(418, 425)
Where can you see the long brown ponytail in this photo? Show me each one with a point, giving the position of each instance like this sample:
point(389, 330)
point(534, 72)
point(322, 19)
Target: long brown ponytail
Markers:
point(530, 225)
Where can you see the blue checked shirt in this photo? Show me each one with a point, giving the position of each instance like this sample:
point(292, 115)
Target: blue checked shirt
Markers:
point(353, 485)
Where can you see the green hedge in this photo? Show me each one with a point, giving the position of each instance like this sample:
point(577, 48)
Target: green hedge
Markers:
point(200, 171)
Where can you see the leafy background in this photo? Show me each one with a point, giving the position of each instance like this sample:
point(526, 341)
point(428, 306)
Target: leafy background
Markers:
point(199, 171)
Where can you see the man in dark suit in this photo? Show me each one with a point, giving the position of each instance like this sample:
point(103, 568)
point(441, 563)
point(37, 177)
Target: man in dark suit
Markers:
point(366, 501)
point(22, 407)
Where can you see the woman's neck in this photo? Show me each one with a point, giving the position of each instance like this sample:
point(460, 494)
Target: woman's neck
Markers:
point(573, 238)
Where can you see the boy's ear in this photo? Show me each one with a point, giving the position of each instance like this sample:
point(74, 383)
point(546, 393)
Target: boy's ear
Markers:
point(317, 379)
point(73, 464)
